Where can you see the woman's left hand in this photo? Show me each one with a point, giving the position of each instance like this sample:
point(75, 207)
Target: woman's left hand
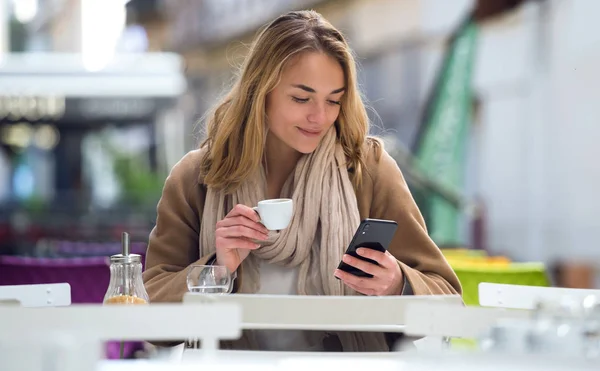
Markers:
point(387, 277)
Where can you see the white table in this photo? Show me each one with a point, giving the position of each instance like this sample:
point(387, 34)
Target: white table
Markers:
point(143, 365)
point(323, 313)
point(269, 358)
point(263, 361)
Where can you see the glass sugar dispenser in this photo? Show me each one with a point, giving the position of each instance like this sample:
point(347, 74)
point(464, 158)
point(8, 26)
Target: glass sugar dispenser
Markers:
point(126, 285)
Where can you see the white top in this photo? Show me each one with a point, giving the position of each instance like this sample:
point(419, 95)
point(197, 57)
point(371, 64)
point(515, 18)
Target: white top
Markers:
point(278, 280)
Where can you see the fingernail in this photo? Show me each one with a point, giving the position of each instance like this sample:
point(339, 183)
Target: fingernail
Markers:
point(345, 258)
point(360, 251)
point(258, 245)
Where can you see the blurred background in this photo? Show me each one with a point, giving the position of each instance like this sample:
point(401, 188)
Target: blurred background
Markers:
point(487, 105)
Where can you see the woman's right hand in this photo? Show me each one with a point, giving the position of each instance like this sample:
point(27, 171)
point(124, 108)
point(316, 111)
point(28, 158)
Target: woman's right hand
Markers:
point(234, 235)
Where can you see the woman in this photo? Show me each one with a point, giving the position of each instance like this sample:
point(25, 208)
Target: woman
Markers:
point(294, 126)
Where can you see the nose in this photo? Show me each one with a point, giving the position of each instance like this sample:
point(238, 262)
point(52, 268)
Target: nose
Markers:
point(317, 114)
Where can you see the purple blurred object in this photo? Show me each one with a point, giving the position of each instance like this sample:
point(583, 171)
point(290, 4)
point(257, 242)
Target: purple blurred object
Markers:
point(88, 277)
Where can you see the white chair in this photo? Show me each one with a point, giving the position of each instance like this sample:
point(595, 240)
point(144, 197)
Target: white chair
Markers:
point(526, 297)
point(498, 301)
point(55, 338)
point(127, 322)
point(39, 295)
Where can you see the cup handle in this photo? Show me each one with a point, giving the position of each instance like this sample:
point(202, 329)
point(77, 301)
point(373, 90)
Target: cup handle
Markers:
point(255, 208)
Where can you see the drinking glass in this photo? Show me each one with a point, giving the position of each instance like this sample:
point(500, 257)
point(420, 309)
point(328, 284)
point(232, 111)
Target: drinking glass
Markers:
point(209, 279)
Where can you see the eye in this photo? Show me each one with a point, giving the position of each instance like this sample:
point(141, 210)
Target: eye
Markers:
point(299, 100)
point(336, 102)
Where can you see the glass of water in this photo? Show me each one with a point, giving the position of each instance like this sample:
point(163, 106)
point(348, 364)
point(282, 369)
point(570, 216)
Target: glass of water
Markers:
point(209, 279)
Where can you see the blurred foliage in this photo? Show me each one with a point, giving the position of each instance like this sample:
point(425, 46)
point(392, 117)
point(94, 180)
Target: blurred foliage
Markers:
point(35, 205)
point(18, 35)
point(140, 186)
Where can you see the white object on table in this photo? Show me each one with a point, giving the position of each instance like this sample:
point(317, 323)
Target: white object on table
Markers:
point(527, 297)
point(39, 295)
point(325, 313)
point(425, 319)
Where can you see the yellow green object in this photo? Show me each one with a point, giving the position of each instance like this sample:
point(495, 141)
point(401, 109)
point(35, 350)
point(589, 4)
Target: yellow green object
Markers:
point(473, 267)
point(472, 274)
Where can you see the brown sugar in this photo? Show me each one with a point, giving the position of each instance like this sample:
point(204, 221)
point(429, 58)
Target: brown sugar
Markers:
point(125, 299)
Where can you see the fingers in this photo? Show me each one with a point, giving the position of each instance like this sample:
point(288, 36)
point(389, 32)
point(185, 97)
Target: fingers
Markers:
point(384, 259)
point(360, 284)
point(364, 266)
point(243, 210)
point(241, 231)
point(361, 290)
point(387, 276)
point(235, 243)
point(242, 221)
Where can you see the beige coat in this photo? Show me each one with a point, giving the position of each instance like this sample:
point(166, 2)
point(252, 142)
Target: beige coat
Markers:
point(173, 244)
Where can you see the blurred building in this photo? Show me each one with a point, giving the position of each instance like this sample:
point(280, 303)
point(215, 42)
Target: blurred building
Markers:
point(82, 110)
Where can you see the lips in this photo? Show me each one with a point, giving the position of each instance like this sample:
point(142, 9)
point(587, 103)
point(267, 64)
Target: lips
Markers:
point(309, 131)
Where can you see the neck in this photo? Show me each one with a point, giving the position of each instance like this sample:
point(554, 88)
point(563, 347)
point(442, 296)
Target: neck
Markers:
point(280, 161)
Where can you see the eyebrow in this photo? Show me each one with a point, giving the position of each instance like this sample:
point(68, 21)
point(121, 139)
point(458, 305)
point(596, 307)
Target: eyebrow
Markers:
point(311, 90)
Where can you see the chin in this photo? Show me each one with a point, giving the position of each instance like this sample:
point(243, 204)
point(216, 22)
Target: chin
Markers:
point(306, 148)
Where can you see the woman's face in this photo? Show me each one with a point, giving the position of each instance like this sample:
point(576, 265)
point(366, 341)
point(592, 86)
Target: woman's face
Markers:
point(306, 102)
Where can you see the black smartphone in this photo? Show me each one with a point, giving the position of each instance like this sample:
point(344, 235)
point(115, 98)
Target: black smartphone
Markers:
point(373, 234)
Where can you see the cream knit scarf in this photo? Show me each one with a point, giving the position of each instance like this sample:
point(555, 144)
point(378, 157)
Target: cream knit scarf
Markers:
point(325, 218)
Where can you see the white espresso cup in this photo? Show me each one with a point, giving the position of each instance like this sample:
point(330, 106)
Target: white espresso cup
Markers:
point(275, 214)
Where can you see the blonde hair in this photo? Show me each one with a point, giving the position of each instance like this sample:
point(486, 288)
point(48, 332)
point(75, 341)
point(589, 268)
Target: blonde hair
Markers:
point(237, 129)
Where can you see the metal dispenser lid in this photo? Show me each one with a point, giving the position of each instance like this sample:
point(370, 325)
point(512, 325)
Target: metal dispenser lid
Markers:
point(125, 257)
